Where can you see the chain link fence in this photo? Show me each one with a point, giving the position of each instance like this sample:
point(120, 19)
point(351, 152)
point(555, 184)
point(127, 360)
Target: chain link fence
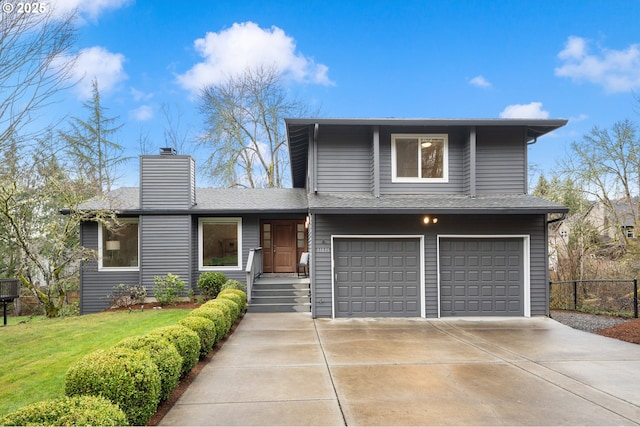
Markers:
point(616, 297)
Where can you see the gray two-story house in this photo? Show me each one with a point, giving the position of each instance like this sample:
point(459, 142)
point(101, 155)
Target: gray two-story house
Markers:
point(401, 217)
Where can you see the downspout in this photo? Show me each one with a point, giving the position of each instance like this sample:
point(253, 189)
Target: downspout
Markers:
point(316, 129)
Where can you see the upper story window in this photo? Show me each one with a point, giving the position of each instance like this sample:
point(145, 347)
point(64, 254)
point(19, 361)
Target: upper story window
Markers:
point(628, 231)
point(419, 158)
point(220, 243)
point(118, 247)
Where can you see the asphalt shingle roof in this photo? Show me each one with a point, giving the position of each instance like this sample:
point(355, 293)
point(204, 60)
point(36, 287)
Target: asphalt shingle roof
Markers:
point(236, 200)
point(219, 200)
point(451, 204)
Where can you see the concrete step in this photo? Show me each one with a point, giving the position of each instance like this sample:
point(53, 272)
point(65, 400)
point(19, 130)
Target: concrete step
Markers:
point(280, 292)
point(257, 300)
point(279, 308)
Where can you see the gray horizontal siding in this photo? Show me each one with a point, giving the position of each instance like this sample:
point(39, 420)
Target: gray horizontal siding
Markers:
point(455, 185)
point(96, 286)
point(501, 162)
point(165, 247)
point(167, 182)
point(344, 160)
point(326, 225)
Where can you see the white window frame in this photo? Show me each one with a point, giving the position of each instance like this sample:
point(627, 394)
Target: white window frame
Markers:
point(418, 179)
point(220, 220)
point(101, 241)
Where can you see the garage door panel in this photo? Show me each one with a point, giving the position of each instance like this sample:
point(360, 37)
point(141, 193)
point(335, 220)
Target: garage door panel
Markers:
point(390, 269)
point(481, 277)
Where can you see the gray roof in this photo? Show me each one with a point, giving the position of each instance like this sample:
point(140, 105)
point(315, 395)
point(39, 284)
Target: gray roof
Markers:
point(240, 200)
point(212, 200)
point(441, 204)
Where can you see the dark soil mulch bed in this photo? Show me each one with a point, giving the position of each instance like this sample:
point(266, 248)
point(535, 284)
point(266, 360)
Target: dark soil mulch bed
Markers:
point(628, 331)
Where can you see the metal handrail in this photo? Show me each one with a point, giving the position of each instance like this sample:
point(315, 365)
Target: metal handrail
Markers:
point(253, 269)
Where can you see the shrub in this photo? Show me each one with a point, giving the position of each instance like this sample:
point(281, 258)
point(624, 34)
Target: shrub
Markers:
point(68, 411)
point(186, 342)
point(233, 306)
point(234, 284)
point(220, 305)
point(127, 295)
point(163, 354)
point(71, 309)
point(128, 378)
point(167, 289)
point(241, 294)
point(235, 298)
point(210, 283)
point(205, 329)
point(216, 316)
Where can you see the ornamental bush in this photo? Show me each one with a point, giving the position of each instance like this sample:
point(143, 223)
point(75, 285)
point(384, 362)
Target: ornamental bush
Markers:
point(234, 284)
point(216, 316)
point(238, 292)
point(68, 411)
point(164, 355)
point(220, 305)
point(127, 377)
point(186, 342)
point(233, 306)
point(205, 329)
point(235, 298)
point(167, 289)
point(210, 283)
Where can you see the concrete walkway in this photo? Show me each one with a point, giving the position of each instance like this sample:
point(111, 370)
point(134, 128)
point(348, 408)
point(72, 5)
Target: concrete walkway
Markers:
point(288, 369)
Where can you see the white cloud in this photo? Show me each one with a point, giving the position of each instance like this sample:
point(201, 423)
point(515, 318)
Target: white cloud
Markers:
point(524, 111)
point(139, 95)
point(480, 81)
point(142, 113)
point(86, 9)
point(615, 70)
point(246, 45)
point(96, 63)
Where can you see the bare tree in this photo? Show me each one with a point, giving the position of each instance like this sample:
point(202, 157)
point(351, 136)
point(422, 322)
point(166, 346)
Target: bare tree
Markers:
point(244, 129)
point(45, 244)
point(32, 46)
point(607, 163)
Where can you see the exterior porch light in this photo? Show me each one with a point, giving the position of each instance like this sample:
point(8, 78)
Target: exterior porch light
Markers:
point(428, 220)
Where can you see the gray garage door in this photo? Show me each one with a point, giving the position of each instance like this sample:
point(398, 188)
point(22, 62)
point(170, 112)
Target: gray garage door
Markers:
point(377, 277)
point(481, 277)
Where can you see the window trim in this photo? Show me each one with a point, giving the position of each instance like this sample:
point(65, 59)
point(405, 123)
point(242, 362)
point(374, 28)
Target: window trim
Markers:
point(101, 241)
point(219, 220)
point(445, 159)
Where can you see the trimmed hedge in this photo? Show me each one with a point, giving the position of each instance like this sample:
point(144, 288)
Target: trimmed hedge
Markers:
point(216, 316)
point(242, 294)
point(186, 342)
point(220, 305)
point(205, 329)
point(163, 354)
point(233, 306)
point(235, 298)
point(68, 411)
point(234, 284)
point(127, 377)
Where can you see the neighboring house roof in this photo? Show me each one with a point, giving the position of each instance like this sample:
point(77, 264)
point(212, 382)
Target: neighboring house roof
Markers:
point(440, 204)
point(300, 130)
point(212, 200)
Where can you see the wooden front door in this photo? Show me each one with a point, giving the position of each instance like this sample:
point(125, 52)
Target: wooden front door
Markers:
point(282, 245)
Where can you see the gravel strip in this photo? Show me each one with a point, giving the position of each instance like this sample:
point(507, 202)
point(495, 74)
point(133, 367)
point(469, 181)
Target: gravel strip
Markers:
point(585, 322)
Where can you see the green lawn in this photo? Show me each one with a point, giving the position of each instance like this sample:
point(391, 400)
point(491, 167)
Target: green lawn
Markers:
point(36, 355)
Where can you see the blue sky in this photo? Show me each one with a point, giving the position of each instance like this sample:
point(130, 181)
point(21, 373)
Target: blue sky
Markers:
point(577, 60)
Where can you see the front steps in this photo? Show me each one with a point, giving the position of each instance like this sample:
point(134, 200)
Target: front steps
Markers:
point(273, 294)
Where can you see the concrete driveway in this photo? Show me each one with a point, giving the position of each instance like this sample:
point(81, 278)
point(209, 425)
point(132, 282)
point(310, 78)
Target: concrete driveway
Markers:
point(289, 369)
